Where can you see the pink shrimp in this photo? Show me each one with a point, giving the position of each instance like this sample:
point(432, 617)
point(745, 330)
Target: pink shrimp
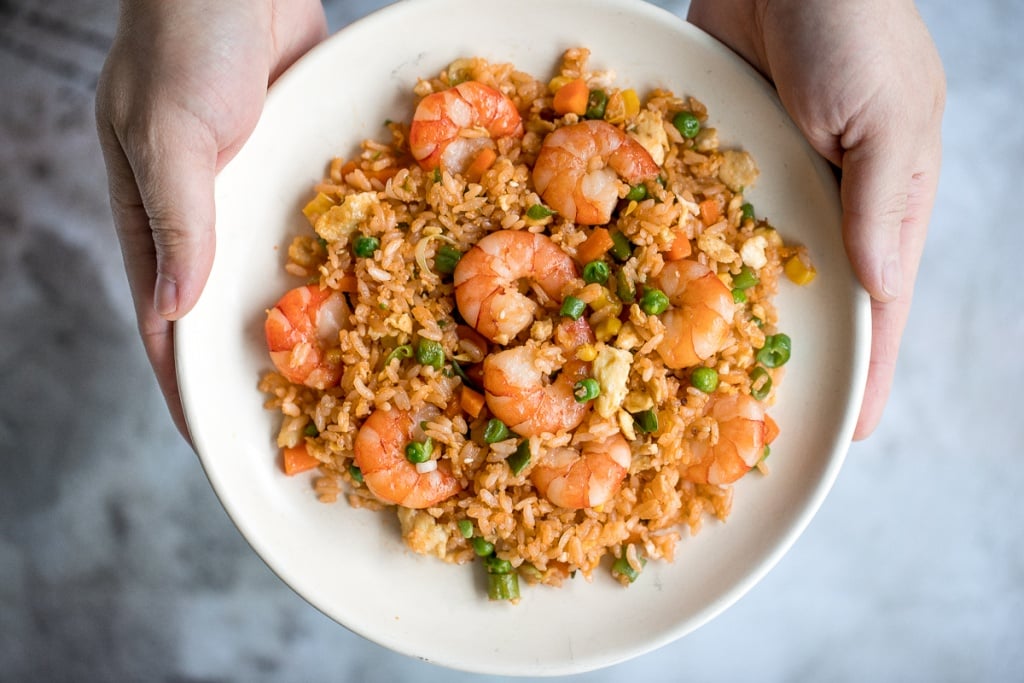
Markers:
point(450, 127)
point(586, 477)
point(379, 451)
point(302, 335)
point(487, 281)
point(578, 169)
point(742, 436)
point(697, 324)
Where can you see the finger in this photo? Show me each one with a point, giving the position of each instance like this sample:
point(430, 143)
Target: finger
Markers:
point(296, 31)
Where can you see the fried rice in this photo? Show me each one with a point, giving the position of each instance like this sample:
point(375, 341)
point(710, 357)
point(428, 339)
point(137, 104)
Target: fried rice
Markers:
point(403, 294)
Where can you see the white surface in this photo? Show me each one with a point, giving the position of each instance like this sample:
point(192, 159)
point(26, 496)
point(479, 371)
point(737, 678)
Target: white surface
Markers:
point(117, 562)
point(221, 349)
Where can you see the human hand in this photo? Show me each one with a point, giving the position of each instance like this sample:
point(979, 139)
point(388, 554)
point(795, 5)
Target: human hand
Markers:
point(864, 83)
point(181, 90)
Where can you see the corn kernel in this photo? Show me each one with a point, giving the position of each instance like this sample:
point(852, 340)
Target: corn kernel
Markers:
point(799, 271)
point(632, 102)
point(586, 353)
point(630, 208)
point(607, 329)
point(556, 83)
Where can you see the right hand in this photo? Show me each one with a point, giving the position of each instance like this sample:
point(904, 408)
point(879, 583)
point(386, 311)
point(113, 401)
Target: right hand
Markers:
point(181, 90)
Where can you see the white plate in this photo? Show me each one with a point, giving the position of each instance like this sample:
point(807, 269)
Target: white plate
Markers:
point(351, 563)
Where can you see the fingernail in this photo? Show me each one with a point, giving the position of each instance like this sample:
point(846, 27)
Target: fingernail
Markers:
point(165, 296)
point(892, 277)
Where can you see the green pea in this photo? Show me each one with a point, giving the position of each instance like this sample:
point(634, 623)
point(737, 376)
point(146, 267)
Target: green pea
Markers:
point(573, 307)
point(687, 124)
point(495, 431)
point(745, 279)
point(637, 193)
point(430, 352)
point(586, 390)
point(647, 421)
point(704, 379)
point(311, 430)
point(654, 302)
point(419, 451)
point(465, 528)
point(446, 259)
point(760, 383)
point(596, 104)
point(366, 246)
point(776, 351)
point(538, 212)
point(482, 547)
point(596, 272)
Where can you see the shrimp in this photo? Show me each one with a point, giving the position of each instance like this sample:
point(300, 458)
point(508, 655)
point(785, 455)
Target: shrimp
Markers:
point(379, 451)
point(487, 281)
point(302, 335)
point(742, 436)
point(697, 324)
point(583, 478)
point(578, 169)
point(450, 127)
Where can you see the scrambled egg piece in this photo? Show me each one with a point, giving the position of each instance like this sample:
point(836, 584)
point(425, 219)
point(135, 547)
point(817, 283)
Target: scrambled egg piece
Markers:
point(422, 534)
point(650, 133)
point(343, 219)
point(753, 252)
point(611, 370)
point(738, 169)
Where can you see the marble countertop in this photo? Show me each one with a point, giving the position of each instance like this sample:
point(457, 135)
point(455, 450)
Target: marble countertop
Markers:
point(117, 562)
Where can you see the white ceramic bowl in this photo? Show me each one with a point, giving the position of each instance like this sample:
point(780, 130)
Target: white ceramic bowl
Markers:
point(351, 564)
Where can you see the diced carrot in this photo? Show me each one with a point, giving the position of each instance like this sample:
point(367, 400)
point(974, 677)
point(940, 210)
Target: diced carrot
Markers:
point(595, 246)
point(771, 429)
point(680, 248)
point(572, 98)
point(710, 212)
point(348, 283)
point(471, 401)
point(297, 459)
point(483, 161)
point(348, 167)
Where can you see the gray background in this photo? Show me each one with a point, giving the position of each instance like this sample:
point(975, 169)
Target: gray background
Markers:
point(118, 563)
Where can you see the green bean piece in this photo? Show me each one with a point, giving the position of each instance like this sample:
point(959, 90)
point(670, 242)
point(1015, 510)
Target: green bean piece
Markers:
point(747, 211)
point(654, 302)
point(496, 431)
point(365, 246)
point(776, 351)
point(355, 473)
point(646, 421)
point(622, 567)
point(637, 193)
point(573, 307)
point(624, 290)
point(496, 565)
point(622, 248)
point(419, 451)
point(446, 259)
point(482, 547)
point(539, 212)
point(430, 352)
point(745, 279)
point(400, 352)
point(503, 586)
point(465, 528)
point(704, 379)
point(760, 383)
point(596, 272)
point(520, 458)
point(687, 124)
point(586, 390)
point(596, 104)
point(739, 296)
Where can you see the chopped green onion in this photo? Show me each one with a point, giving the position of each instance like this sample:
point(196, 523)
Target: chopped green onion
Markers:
point(738, 296)
point(622, 248)
point(596, 104)
point(437, 175)
point(365, 246)
point(776, 350)
point(637, 193)
point(538, 212)
point(596, 272)
point(573, 307)
point(463, 376)
point(465, 528)
point(760, 383)
point(622, 567)
point(495, 431)
point(355, 473)
point(503, 586)
point(446, 259)
point(745, 279)
point(400, 352)
point(430, 352)
point(586, 390)
point(482, 547)
point(704, 379)
point(687, 124)
point(647, 421)
point(654, 302)
point(519, 459)
point(748, 211)
point(419, 451)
